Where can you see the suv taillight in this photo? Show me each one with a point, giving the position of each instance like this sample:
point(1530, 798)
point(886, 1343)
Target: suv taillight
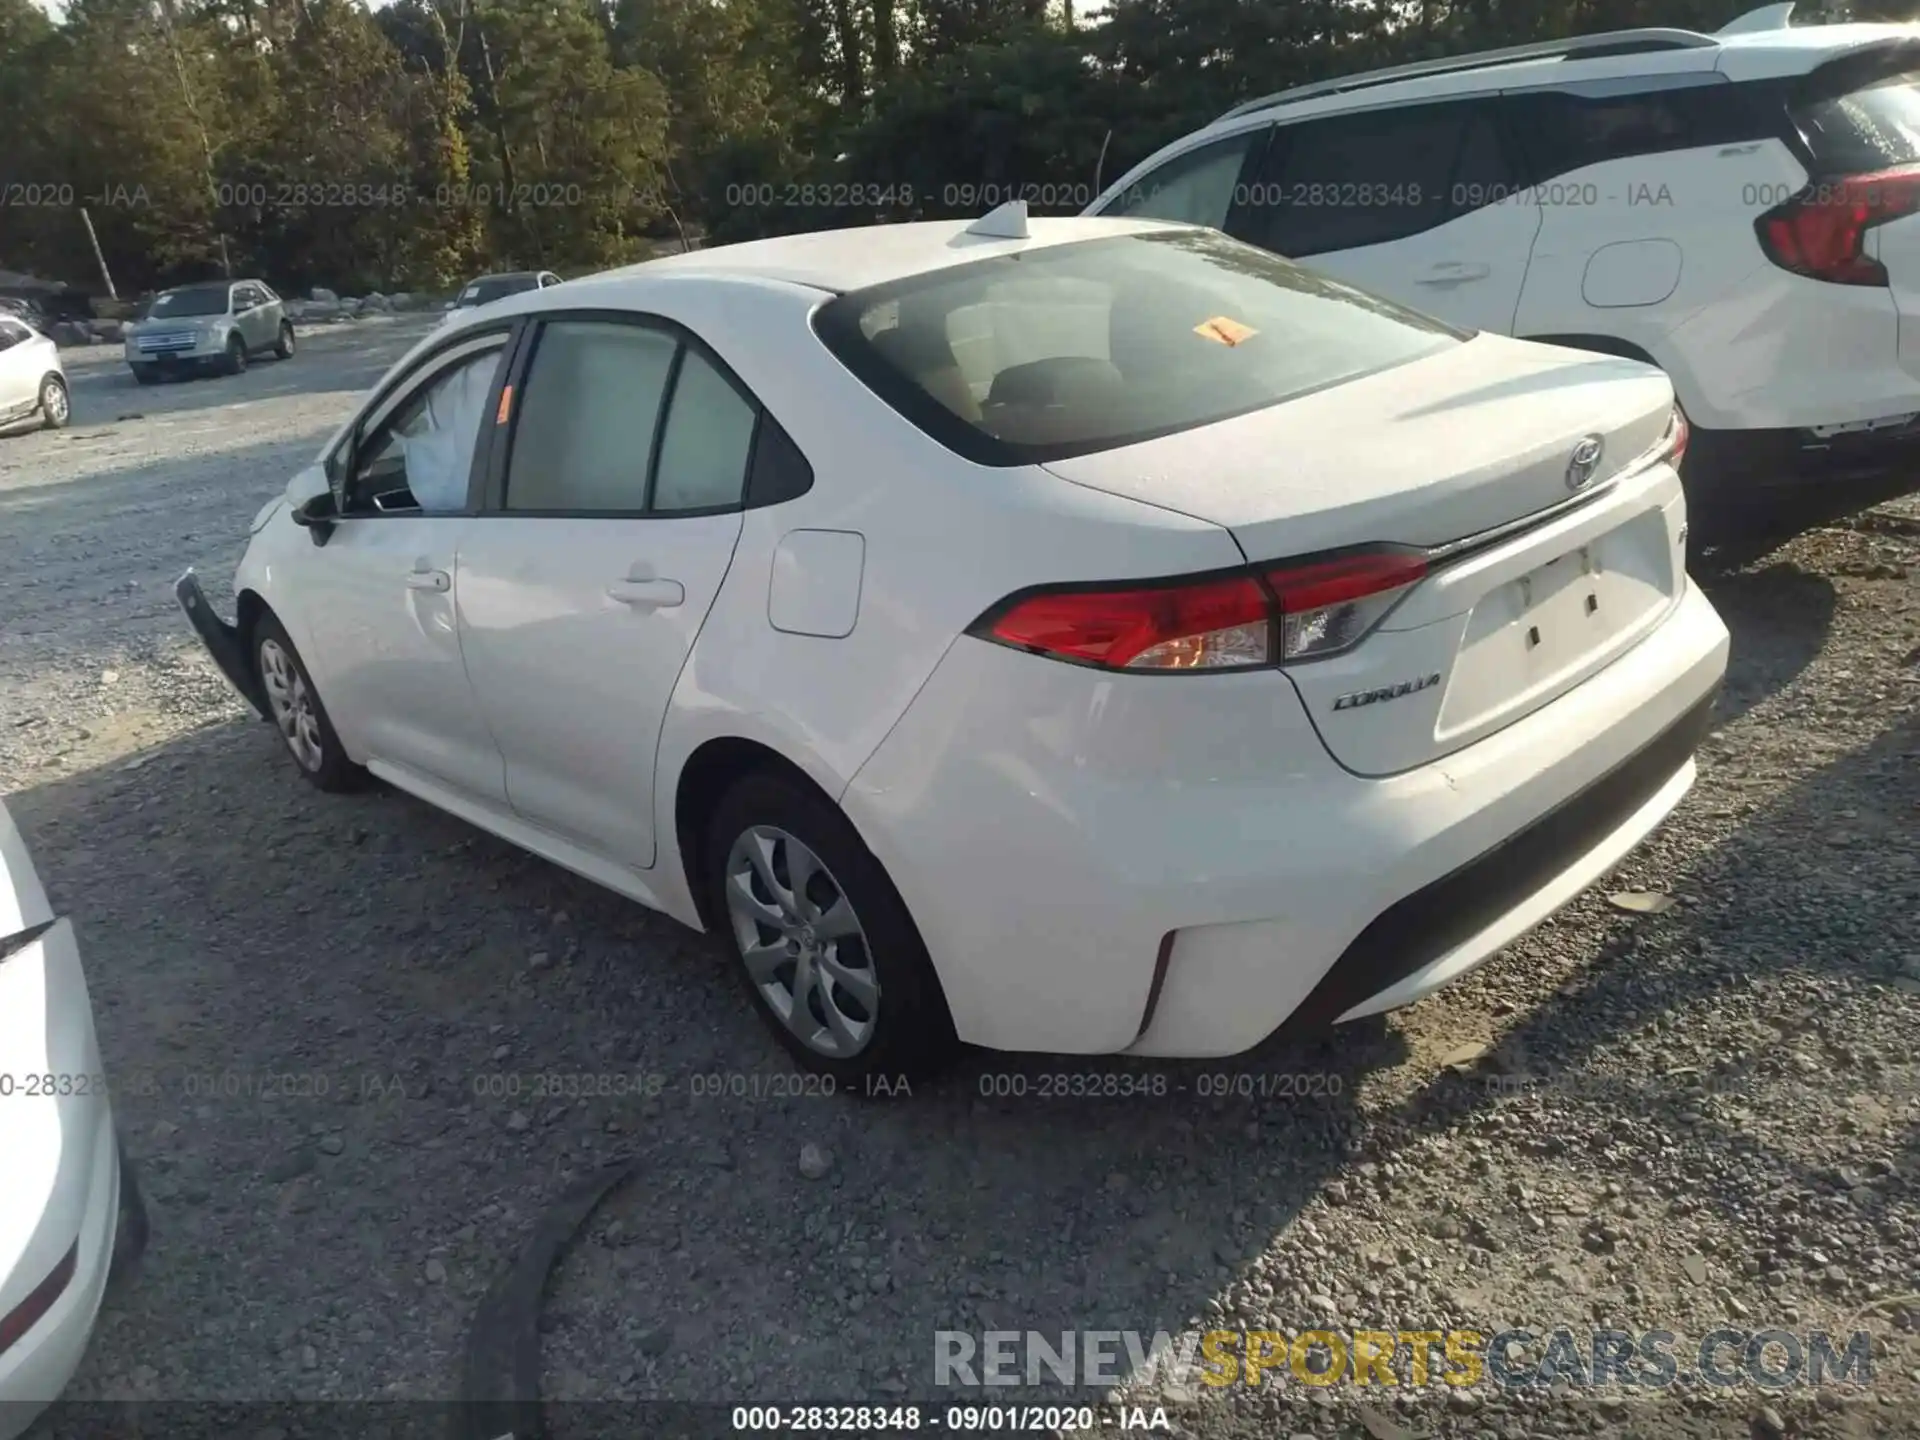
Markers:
point(1303, 610)
point(1822, 232)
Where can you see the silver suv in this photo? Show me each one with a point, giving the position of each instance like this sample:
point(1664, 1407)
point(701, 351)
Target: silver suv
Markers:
point(218, 325)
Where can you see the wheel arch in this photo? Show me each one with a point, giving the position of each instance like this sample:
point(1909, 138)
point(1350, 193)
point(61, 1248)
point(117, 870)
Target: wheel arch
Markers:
point(713, 767)
point(1599, 345)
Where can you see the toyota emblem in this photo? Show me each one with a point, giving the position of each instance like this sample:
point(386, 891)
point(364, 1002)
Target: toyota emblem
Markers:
point(1586, 460)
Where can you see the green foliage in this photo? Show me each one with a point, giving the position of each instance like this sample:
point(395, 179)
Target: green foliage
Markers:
point(320, 142)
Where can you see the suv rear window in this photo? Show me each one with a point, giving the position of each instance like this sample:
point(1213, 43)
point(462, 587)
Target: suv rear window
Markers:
point(1092, 345)
point(1861, 129)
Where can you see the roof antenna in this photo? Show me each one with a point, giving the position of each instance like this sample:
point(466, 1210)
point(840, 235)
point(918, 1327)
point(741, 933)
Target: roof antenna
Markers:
point(1003, 222)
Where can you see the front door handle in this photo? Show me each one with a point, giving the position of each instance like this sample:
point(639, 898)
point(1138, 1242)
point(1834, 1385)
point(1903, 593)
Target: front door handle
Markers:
point(1454, 272)
point(436, 580)
point(648, 594)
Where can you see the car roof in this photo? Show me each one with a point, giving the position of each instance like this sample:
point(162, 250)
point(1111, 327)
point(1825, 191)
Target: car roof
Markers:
point(1771, 50)
point(202, 285)
point(509, 275)
point(853, 259)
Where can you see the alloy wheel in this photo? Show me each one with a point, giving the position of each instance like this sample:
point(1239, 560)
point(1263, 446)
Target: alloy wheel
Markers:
point(292, 705)
point(803, 945)
point(54, 403)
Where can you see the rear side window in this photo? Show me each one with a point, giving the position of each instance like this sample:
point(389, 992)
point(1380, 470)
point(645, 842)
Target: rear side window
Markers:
point(1070, 349)
point(1563, 132)
point(1371, 178)
point(625, 418)
point(1854, 130)
point(584, 437)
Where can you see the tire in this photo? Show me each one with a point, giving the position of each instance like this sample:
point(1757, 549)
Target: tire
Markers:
point(56, 406)
point(236, 355)
point(283, 347)
point(146, 374)
point(293, 706)
point(899, 1028)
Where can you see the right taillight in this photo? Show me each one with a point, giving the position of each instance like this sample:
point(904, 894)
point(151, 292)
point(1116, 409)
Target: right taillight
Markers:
point(1822, 232)
point(1330, 605)
point(1303, 610)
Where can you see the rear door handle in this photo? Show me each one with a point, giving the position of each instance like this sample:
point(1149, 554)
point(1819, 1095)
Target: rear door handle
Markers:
point(1454, 272)
point(436, 580)
point(648, 594)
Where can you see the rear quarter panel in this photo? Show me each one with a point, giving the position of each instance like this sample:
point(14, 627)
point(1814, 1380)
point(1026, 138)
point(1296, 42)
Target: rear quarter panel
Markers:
point(943, 540)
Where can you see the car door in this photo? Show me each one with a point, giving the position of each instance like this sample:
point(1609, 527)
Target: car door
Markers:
point(1418, 203)
point(247, 305)
point(19, 384)
point(605, 538)
point(382, 588)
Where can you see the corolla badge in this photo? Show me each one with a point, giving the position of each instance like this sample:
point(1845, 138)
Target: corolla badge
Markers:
point(1586, 460)
point(1358, 698)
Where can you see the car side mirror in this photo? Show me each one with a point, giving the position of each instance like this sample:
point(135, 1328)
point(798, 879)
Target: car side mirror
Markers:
point(317, 517)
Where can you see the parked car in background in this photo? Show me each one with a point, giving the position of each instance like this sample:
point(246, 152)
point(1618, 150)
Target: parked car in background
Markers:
point(25, 310)
point(60, 1205)
point(215, 326)
point(486, 288)
point(1284, 653)
point(32, 379)
point(1740, 209)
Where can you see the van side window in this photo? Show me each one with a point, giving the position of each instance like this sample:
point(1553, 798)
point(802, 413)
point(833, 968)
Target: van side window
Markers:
point(1354, 180)
point(1562, 132)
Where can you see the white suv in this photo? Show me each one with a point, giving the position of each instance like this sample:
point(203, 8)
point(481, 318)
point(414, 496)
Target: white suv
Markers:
point(1741, 209)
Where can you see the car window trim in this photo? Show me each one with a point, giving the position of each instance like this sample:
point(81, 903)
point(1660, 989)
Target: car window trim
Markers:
point(403, 389)
point(492, 503)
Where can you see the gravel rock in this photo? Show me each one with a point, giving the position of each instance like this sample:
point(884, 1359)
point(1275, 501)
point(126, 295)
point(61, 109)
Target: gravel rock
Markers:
point(814, 1161)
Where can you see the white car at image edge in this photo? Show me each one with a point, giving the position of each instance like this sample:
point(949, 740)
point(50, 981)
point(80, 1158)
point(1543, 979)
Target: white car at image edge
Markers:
point(1081, 636)
point(60, 1203)
point(32, 379)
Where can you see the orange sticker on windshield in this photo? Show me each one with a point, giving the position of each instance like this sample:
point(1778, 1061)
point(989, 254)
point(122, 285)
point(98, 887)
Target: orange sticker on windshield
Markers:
point(506, 405)
point(1227, 332)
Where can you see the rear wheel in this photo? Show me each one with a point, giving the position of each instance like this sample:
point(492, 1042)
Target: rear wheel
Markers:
point(236, 355)
point(55, 408)
point(293, 704)
point(820, 936)
point(283, 347)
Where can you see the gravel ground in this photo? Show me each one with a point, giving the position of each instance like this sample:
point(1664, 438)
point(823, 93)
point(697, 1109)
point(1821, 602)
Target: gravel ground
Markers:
point(329, 1019)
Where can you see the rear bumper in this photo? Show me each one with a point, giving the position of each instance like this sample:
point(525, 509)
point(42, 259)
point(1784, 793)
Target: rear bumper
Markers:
point(1765, 481)
point(1047, 846)
point(63, 1179)
point(223, 641)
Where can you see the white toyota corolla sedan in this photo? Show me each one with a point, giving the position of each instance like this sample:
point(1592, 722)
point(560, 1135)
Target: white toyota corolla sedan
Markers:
point(1084, 636)
point(59, 1163)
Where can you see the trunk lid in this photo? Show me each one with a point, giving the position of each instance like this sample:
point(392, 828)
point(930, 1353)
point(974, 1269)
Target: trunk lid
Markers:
point(1470, 454)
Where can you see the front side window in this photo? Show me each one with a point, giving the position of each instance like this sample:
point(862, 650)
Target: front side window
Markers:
point(420, 459)
point(1196, 188)
point(1069, 349)
point(11, 334)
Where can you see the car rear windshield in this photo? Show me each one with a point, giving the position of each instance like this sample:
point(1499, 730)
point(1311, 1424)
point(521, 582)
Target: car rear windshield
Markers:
point(480, 292)
point(189, 302)
point(1856, 122)
point(1069, 349)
